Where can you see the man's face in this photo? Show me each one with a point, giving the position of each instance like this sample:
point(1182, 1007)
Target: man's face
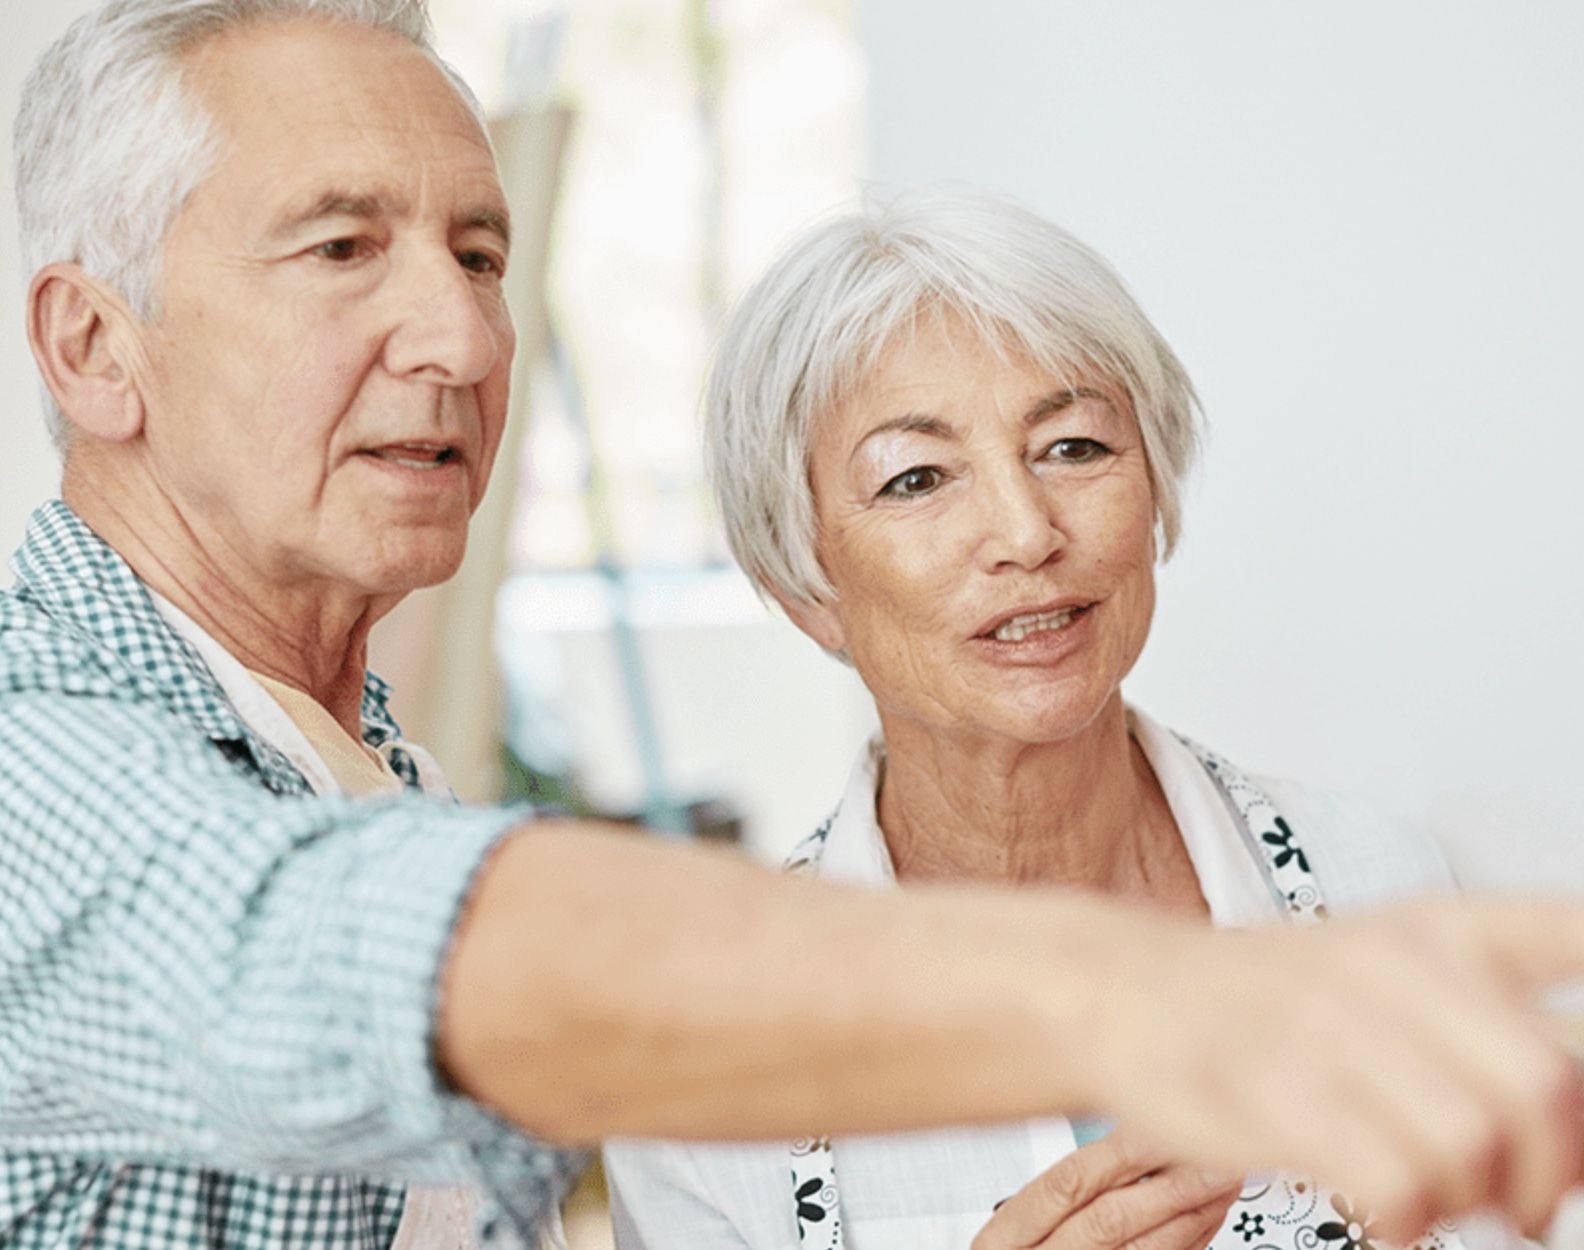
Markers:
point(326, 382)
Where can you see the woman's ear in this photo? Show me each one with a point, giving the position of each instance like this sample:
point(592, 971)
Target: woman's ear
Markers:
point(816, 618)
point(84, 339)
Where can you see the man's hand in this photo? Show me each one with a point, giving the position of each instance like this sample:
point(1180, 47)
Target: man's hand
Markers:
point(1110, 1194)
point(1391, 1058)
point(1396, 1058)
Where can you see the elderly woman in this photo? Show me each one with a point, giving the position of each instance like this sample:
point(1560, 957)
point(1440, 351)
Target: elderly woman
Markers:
point(948, 442)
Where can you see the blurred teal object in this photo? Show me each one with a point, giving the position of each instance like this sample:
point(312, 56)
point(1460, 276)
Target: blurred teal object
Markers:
point(1090, 1128)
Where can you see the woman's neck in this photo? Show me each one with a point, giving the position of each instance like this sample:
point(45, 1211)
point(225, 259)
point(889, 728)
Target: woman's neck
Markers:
point(1086, 811)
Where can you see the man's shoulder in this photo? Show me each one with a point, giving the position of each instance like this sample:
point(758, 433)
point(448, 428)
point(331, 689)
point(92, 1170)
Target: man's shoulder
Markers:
point(39, 653)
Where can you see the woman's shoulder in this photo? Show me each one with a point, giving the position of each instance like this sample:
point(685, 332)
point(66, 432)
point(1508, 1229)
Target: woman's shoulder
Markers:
point(715, 1194)
point(1362, 855)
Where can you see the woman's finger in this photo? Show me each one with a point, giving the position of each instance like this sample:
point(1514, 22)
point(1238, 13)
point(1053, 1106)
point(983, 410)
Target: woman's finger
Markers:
point(1122, 1216)
point(1028, 1216)
point(1191, 1230)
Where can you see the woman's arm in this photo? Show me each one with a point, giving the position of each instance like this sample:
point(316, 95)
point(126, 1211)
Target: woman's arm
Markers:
point(605, 985)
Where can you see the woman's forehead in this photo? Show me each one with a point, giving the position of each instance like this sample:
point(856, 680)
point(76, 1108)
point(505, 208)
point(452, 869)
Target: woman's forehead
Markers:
point(941, 355)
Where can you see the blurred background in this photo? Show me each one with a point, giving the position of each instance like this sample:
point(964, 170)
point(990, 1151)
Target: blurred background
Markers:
point(1358, 223)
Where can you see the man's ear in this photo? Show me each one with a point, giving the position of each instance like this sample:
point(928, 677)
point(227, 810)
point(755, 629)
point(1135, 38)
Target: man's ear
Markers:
point(816, 618)
point(84, 339)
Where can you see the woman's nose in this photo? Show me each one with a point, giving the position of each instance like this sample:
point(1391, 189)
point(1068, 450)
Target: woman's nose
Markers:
point(1018, 522)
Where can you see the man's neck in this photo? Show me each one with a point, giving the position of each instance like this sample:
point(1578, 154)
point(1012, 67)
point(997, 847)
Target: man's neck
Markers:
point(299, 633)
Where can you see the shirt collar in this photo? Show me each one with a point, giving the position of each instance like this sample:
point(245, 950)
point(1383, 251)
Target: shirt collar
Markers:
point(77, 577)
point(1236, 889)
point(855, 848)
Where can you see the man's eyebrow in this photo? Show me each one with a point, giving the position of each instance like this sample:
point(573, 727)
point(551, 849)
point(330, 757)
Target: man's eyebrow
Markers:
point(1060, 400)
point(496, 221)
point(368, 207)
point(337, 204)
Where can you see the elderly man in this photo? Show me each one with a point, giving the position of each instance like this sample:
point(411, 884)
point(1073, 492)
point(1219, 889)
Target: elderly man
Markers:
point(262, 985)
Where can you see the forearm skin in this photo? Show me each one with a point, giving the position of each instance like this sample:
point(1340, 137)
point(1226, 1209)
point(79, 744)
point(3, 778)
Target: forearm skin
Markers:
point(605, 985)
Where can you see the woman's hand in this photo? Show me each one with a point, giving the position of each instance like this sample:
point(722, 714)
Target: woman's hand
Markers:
point(1112, 1193)
point(1394, 1057)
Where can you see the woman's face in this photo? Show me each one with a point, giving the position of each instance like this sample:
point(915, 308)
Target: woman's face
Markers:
point(988, 532)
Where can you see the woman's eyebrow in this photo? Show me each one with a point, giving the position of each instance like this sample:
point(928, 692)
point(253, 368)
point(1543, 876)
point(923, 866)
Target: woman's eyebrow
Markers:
point(909, 423)
point(1054, 403)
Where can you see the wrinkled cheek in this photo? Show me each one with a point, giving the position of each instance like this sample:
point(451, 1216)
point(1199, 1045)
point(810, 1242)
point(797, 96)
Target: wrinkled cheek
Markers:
point(1139, 612)
point(494, 405)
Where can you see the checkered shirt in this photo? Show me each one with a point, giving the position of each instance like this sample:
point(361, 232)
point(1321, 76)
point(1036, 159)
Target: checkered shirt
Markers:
point(216, 988)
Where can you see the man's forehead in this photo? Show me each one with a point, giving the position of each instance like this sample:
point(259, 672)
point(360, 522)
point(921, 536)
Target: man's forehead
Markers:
point(318, 120)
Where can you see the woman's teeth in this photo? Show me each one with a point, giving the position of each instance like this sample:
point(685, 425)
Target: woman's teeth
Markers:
point(1020, 627)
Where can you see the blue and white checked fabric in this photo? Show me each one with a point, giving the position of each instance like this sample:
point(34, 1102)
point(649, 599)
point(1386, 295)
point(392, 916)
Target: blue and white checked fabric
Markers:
point(216, 989)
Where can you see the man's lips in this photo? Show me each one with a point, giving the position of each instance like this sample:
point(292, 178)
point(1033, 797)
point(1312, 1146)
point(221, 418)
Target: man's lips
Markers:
point(1019, 623)
point(415, 455)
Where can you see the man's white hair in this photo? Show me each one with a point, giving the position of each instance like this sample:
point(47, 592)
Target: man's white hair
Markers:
point(109, 142)
point(809, 332)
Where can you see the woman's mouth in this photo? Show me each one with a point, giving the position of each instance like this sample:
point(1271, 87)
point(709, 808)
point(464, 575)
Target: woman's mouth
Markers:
point(1021, 627)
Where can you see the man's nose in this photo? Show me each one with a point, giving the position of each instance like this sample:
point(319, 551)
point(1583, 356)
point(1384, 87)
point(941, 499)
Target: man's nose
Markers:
point(441, 333)
point(1018, 520)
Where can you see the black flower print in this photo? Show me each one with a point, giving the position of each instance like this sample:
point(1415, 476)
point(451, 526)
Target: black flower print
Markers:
point(1283, 838)
point(1351, 1232)
point(808, 1212)
point(1250, 1225)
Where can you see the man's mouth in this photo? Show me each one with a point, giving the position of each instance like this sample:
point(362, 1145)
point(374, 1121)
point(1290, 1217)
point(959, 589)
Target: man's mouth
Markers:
point(415, 455)
point(1020, 627)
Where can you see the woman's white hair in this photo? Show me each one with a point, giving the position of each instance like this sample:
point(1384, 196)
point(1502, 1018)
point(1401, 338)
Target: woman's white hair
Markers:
point(809, 332)
point(109, 142)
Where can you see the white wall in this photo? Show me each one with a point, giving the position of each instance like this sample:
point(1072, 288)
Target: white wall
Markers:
point(1359, 224)
point(29, 471)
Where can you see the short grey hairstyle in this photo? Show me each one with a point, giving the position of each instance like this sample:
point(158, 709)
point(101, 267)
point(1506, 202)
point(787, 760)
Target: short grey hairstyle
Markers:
point(109, 142)
point(809, 332)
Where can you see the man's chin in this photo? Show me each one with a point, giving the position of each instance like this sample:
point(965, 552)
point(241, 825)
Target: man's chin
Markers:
point(404, 568)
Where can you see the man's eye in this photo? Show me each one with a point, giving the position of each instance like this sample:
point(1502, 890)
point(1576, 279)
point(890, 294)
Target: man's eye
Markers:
point(1076, 450)
point(339, 249)
point(481, 262)
point(919, 481)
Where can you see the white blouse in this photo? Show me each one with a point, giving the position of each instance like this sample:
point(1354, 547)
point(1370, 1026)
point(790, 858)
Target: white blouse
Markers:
point(934, 1190)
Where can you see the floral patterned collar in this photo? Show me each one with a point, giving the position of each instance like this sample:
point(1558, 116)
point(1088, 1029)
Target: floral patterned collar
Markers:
point(1271, 1214)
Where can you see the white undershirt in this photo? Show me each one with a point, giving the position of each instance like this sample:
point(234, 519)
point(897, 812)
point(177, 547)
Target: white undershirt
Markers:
point(434, 1217)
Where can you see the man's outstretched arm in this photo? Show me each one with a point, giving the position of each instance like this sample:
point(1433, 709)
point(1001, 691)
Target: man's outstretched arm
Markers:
point(606, 985)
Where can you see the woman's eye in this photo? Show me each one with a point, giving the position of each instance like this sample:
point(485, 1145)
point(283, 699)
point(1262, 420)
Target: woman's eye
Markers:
point(1076, 450)
point(919, 481)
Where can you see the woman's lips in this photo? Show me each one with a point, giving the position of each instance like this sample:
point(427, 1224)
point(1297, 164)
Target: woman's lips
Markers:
point(1038, 637)
point(1017, 624)
point(1020, 627)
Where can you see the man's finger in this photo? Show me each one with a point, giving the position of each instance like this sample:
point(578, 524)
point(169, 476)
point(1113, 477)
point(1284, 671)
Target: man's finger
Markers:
point(1532, 943)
